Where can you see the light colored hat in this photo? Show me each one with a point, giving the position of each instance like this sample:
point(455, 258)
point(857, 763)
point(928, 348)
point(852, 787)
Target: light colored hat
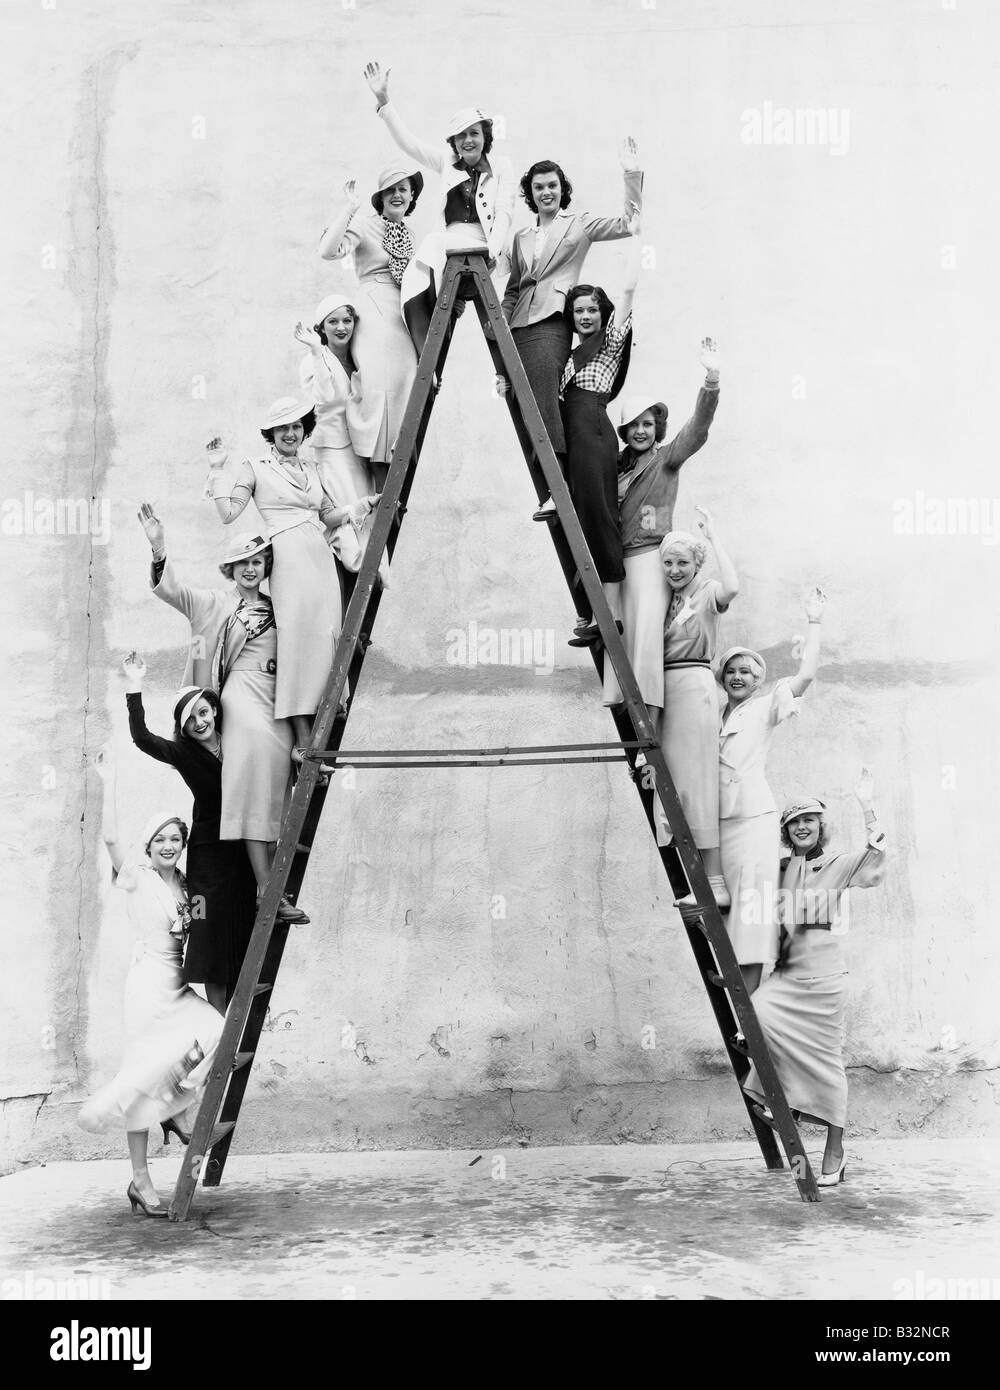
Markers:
point(336, 301)
point(156, 823)
point(633, 406)
point(284, 411)
point(396, 173)
point(469, 115)
point(740, 651)
point(186, 700)
point(247, 543)
point(812, 806)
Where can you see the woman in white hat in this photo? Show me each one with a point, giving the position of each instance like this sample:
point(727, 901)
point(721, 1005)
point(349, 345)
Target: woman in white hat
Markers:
point(382, 248)
point(748, 815)
point(233, 649)
point(648, 476)
point(476, 199)
point(171, 1033)
point(305, 580)
point(801, 1006)
point(221, 883)
point(689, 736)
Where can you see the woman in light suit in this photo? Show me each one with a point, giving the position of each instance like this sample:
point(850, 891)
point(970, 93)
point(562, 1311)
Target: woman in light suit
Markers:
point(546, 261)
point(748, 815)
point(476, 199)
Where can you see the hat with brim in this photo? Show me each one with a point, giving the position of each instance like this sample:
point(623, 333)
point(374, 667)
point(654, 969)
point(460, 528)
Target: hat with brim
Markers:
point(284, 411)
point(812, 806)
point(393, 175)
point(633, 406)
point(740, 651)
point(186, 701)
point(340, 299)
point(245, 546)
point(469, 115)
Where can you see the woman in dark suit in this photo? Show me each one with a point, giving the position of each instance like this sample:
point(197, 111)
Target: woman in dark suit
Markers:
point(546, 262)
point(221, 885)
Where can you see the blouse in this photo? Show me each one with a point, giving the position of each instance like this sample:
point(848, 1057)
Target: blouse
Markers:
point(693, 633)
point(599, 373)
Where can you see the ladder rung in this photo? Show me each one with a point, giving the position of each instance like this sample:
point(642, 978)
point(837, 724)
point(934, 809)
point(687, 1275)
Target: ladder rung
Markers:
point(300, 848)
point(714, 978)
point(220, 1131)
point(242, 1059)
point(261, 989)
point(759, 1111)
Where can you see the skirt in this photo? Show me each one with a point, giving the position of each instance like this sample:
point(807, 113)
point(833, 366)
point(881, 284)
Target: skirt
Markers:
point(163, 1022)
point(750, 847)
point(643, 601)
point(345, 479)
point(387, 368)
point(423, 275)
point(543, 348)
point(690, 742)
point(803, 1022)
point(256, 755)
point(592, 474)
point(308, 613)
point(223, 894)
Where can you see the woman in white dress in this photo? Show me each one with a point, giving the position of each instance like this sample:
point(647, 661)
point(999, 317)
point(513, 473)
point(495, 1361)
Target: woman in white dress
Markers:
point(801, 1007)
point(748, 815)
point(305, 581)
point(171, 1033)
point(476, 200)
point(382, 247)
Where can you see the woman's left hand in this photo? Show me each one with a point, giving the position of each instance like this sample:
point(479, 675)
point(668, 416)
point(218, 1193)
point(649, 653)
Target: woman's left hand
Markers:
point(308, 336)
point(815, 605)
point(704, 521)
point(865, 787)
point(629, 156)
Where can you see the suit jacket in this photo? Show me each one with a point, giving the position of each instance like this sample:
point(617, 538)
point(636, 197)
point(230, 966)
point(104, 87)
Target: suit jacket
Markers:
point(208, 611)
point(495, 196)
point(536, 292)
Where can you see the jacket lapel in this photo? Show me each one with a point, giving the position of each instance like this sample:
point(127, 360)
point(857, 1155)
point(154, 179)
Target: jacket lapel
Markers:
point(553, 242)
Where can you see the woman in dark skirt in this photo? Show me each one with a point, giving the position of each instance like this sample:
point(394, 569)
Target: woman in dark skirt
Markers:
point(592, 377)
point(221, 885)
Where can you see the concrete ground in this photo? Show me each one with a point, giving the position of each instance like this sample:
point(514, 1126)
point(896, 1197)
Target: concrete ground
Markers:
point(692, 1221)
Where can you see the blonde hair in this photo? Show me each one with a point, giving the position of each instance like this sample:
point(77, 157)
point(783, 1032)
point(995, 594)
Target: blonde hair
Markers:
point(697, 547)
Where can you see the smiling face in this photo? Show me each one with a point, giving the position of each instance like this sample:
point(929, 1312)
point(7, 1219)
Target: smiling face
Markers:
point(165, 847)
point(546, 191)
point(679, 566)
point(396, 200)
point(287, 438)
point(248, 575)
point(739, 679)
point(640, 435)
point(586, 315)
point(200, 723)
point(339, 326)
point(469, 143)
point(803, 831)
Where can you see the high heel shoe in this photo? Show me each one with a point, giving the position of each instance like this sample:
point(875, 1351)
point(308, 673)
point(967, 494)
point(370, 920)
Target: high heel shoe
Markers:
point(832, 1179)
point(172, 1127)
point(137, 1200)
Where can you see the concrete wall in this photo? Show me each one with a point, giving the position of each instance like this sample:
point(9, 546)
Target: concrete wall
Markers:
point(490, 949)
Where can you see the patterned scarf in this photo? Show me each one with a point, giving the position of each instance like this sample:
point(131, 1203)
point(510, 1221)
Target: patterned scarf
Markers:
point(256, 618)
point(398, 246)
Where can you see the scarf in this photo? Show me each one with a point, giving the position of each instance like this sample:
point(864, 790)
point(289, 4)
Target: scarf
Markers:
point(398, 246)
point(256, 618)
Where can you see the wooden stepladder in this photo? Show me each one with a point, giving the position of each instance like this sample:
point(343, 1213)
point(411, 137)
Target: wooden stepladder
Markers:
point(466, 278)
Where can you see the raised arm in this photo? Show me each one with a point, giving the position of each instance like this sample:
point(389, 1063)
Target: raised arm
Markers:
point(430, 156)
point(338, 239)
point(727, 570)
point(162, 749)
point(633, 264)
point(107, 771)
point(806, 674)
point(615, 228)
point(315, 374)
point(868, 868)
point(229, 504)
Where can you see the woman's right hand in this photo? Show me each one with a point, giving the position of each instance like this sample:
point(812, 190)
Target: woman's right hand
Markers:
point(308, 336)
point(502, 385)
point(218, 454)
point(104, 762)
point(135, 670)
point(815, 605)
point(153, 527)
point(865, 787)
point(378, 81)
point(705, 522)
point(351, 195)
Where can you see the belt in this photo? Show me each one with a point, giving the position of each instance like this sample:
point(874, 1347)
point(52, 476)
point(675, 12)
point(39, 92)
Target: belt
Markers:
point(679, 665)
point(269, 667)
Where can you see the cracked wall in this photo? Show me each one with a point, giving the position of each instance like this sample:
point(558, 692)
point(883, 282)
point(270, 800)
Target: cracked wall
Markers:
point(493, 955)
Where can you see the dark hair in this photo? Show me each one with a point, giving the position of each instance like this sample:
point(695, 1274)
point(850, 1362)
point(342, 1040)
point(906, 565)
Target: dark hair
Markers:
point(545, 166)
point(659, 413)
point(824, 831)
point(318, 327)
point(173, 820)
point(487, 139)
point(416, 184)
point(227, 569)
point(210, 698)
point(604, 305)
point(308, 420)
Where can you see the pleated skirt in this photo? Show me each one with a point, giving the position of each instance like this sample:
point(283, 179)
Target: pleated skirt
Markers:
point(689, 739)
point(750, 848)
point(803, 1021)
point(643, 600)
